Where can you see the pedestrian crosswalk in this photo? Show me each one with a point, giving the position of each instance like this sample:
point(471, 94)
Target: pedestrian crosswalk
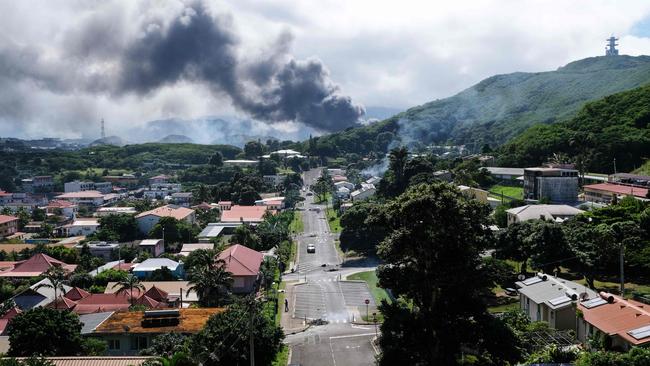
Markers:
point(307, 267)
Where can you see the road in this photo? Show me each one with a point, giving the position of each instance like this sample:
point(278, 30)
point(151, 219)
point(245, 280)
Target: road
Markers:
point(323, 295)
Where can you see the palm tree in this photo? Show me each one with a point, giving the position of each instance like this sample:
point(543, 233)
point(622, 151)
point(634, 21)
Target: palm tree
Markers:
point(129, 284)
point(55, 276)
point(211, 283)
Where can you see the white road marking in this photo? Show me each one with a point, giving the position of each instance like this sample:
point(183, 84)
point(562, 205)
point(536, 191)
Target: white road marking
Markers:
point(352, 335)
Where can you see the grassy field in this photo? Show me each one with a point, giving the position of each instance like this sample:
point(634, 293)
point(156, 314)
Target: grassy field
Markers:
point(282, 358)
point(281, 295)
point(371, 279)
point(334, 220)
point(514, 192)
point(504, 308)
point(297, 226)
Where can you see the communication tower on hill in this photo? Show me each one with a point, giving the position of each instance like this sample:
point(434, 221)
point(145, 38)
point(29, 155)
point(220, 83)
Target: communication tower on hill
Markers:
point(103, 130)
point(610, 49)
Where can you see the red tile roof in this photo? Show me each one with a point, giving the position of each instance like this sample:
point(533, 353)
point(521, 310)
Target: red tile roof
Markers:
point(82, 194)
point(62, 303)
point(246, 213)
point(619, 189)
point(147, 301)
point(179, 213)
point(156, 294)
point(97, 303)
point(60, 204)
point(35, 266)
point(619, 317)
point(6, 218)
point(76, 293)
point(242, 261)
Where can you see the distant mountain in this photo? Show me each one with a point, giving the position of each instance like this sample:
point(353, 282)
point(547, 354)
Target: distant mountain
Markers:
point(176, 139)
point(503, 106)
point(110, 140)
point(217, 130)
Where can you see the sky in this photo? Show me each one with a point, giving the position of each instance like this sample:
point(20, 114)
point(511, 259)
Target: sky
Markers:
point(292, 65)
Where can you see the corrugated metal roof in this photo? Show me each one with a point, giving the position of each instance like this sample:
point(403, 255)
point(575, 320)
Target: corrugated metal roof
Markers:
point(91, 321)
point(98, 361)
point(549, 291)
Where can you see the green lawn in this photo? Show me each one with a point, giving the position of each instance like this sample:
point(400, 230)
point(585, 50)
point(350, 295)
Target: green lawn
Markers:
point(281, 296)
point(514, 192)
point(282, 358)
point(297, 226)
point(504, 308)
point(333, 220)
point(371, 279)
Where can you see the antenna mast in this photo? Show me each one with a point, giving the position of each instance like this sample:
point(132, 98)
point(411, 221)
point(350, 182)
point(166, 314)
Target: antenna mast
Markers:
point(103, 130)
point(610, 49)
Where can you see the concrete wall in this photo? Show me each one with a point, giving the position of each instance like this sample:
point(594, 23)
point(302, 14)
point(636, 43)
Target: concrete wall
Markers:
point(558, 189)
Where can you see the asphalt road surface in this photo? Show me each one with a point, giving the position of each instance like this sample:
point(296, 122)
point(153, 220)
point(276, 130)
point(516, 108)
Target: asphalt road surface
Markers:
point(324, 296)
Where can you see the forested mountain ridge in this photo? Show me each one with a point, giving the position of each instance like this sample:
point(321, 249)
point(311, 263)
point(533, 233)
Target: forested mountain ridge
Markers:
point(502, 106)
point(614, 127)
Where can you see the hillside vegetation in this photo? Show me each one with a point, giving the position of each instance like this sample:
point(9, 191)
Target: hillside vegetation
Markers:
point(502, 106)
point(612, 127)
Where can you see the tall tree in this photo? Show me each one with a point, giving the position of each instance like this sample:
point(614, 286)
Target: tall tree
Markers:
point(44, 331)
point(212, 283)
point(432, 259)
point(56, 280)
point(129, 284)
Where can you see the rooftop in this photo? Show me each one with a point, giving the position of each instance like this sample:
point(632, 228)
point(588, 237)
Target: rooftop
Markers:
point(173, 288)
point(82, 194)
point(244, 213)
point(179, 213)
point(97, 360)
point(619, 189)
point(241, 260)
point(548, 212)
point(555, 292)
point(35, 266)
point(505, 171)
point(153, 264)
point(190, 321)
point(613, 315)
point(149, 242)
point(213, 229)
point(6, 218)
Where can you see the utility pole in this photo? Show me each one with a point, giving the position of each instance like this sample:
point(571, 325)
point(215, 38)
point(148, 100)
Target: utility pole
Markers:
point(622, 259)
point(251, 337)
point(614, 165)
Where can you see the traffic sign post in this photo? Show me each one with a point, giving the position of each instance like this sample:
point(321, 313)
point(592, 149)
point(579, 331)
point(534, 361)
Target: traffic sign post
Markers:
point(367, 312)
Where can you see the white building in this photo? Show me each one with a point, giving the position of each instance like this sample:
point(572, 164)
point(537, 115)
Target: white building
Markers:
point(105, 211)
point(161, 190)
point(148, 219)
point(154, 247)
point(367, 190)
point(84, 198)
point(557, 213)
point(79, 186)
point(100, 249)
point(81, 226)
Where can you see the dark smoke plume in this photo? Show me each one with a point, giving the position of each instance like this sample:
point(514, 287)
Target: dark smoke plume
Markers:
point(195, 47)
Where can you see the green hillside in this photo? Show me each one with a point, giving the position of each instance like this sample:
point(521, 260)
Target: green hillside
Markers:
point(616, 126)
point(503, 106)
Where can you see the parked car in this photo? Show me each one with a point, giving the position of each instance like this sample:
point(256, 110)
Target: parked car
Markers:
point(311, 248)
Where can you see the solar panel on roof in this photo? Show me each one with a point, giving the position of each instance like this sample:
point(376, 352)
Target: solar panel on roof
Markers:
point(594, 302)
point(559, 300)
point(640, 333)
point(532, 281)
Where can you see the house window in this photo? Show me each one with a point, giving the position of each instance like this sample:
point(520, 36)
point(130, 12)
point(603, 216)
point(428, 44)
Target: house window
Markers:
point(238, 282)
point(113, 344)
point(138, 343)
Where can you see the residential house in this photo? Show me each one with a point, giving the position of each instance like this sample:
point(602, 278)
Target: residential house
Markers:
point(85, 198)
point(345, 184)
point(144, 269)
point(8, 226)
point(215, 229)
point(224, 205)
point(159, 179)
point(272, 203)
point(20, 200)
point(190, 247)
point(5, 319)
point(35, 266)
point(625, 322)
point(503, 173)
point(244, 265)
point(41, 183)
point(100, 249)
point(124, 180)
point(605, 192)
point(343, 193)
point(557, 213)
point(37, 295)
point(82, 302)
point(474, 193)
point(105, 211)
point(274, 180)
point(81, 226)
point(129, 332)
point(62, 208)
point(118, 265)
point(148, 219)
point(552, 300)
point(244, 214)
point(79, 186)
point(553, 184)
point(161, 190)
point(183, 199)
point(154, 247)
point(177, 291)
point(443, 175)
point(367, 190)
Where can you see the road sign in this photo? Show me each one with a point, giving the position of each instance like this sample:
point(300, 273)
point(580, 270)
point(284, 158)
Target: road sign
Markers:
point(367, 301)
